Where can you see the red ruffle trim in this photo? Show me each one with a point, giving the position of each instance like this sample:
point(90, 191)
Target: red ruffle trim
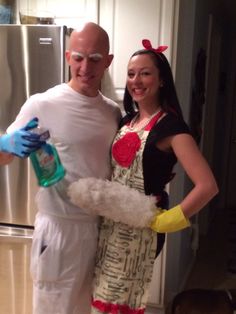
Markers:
point(111, 308)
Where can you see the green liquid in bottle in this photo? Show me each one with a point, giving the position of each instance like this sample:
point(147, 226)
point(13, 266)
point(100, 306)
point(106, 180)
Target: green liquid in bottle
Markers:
point(47, 165)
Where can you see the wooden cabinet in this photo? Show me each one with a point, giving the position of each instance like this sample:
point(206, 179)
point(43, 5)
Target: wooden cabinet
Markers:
point(70, 12)
point(128, 22)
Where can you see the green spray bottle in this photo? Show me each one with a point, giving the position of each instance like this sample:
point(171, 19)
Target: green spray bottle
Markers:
point(46, 161)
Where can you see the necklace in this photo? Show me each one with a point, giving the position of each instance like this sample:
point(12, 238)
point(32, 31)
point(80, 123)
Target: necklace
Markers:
point(141, 125)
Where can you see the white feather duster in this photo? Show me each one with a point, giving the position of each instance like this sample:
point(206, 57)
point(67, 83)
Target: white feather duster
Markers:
point(113, 200)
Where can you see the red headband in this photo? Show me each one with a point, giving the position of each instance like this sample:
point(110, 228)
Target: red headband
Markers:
point(147, 45)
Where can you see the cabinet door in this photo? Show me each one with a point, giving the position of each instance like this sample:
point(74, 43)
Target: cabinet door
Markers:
point(70, 13)
point(127, 23)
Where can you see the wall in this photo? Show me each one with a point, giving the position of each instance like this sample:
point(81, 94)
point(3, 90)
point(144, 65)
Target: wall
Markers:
point(210, 16)
point(193, 34)
point(179, 252)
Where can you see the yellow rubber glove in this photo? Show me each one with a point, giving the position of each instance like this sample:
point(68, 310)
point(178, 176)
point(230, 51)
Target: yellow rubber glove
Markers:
point(170, 220)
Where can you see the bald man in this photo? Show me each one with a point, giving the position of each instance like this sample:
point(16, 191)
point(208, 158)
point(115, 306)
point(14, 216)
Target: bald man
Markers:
point(82, 124)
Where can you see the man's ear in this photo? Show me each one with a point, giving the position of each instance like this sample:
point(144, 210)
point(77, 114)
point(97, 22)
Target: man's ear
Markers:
point(67, 56)
point(109, 60)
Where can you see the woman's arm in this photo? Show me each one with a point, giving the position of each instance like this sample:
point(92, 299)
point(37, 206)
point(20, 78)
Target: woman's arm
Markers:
point(199, 172)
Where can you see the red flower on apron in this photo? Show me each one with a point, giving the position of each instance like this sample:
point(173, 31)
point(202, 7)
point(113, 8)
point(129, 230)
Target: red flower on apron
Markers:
point(124, 150)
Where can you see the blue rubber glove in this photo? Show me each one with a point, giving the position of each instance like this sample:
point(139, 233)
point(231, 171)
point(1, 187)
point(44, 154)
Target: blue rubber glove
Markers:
point(21, 142)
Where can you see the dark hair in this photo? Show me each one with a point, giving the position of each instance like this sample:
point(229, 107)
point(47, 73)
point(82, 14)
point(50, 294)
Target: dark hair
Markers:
point(168, 97)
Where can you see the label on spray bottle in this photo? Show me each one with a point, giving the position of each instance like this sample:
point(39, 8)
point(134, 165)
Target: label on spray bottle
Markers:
point(46, 161)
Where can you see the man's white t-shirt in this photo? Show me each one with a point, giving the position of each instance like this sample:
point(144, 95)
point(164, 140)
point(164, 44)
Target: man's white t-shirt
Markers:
point(82, 129)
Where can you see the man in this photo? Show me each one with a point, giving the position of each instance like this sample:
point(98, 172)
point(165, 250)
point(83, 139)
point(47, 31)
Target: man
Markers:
point(82, 124)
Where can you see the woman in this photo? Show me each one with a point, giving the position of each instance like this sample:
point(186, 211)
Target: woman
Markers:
point(152, 138)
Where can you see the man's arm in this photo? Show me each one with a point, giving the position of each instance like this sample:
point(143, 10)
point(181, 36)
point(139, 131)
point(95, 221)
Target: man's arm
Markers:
point(5, 158)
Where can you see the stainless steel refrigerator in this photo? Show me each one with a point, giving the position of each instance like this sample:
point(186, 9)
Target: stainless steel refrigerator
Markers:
point(31, 60)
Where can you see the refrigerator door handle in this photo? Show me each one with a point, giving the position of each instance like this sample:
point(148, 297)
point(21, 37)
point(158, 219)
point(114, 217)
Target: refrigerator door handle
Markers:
point(45, 41)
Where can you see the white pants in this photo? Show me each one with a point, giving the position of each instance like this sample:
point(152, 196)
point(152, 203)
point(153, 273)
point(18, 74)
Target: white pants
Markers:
point(62, 265)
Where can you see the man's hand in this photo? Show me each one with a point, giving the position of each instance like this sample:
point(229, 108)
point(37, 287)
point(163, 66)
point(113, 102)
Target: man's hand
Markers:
point(21, 142)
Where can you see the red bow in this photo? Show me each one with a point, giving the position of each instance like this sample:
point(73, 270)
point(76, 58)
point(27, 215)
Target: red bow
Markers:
point(147, 45)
